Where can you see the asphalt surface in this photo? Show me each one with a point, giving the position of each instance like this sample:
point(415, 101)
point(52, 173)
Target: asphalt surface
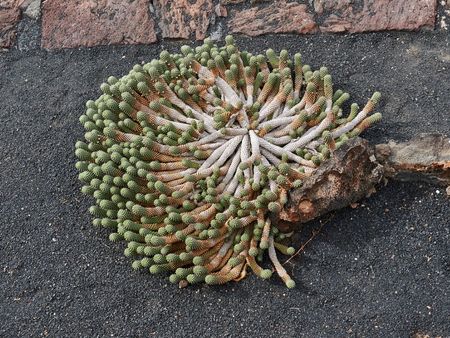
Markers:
point(380, 270)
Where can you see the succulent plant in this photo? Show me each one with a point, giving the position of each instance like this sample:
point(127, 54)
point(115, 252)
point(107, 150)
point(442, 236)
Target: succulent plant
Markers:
point(188, 156)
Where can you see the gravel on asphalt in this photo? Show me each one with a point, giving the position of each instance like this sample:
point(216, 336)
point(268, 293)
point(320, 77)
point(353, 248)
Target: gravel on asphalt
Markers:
point(380, 270)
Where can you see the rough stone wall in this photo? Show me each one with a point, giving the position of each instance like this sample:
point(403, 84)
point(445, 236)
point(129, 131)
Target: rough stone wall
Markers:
point(85, 23)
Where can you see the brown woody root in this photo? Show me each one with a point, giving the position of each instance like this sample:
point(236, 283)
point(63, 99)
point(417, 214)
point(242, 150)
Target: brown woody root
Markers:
point(357, 168)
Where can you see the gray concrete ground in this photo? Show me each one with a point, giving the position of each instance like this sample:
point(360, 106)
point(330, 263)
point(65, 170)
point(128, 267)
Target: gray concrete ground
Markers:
point(381, 270)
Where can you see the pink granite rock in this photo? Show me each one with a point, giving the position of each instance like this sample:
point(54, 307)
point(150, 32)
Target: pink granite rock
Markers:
point(74, 23)
point(178, 19)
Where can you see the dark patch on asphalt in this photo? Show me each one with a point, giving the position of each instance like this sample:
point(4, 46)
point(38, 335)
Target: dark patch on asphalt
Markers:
point(379, 270)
